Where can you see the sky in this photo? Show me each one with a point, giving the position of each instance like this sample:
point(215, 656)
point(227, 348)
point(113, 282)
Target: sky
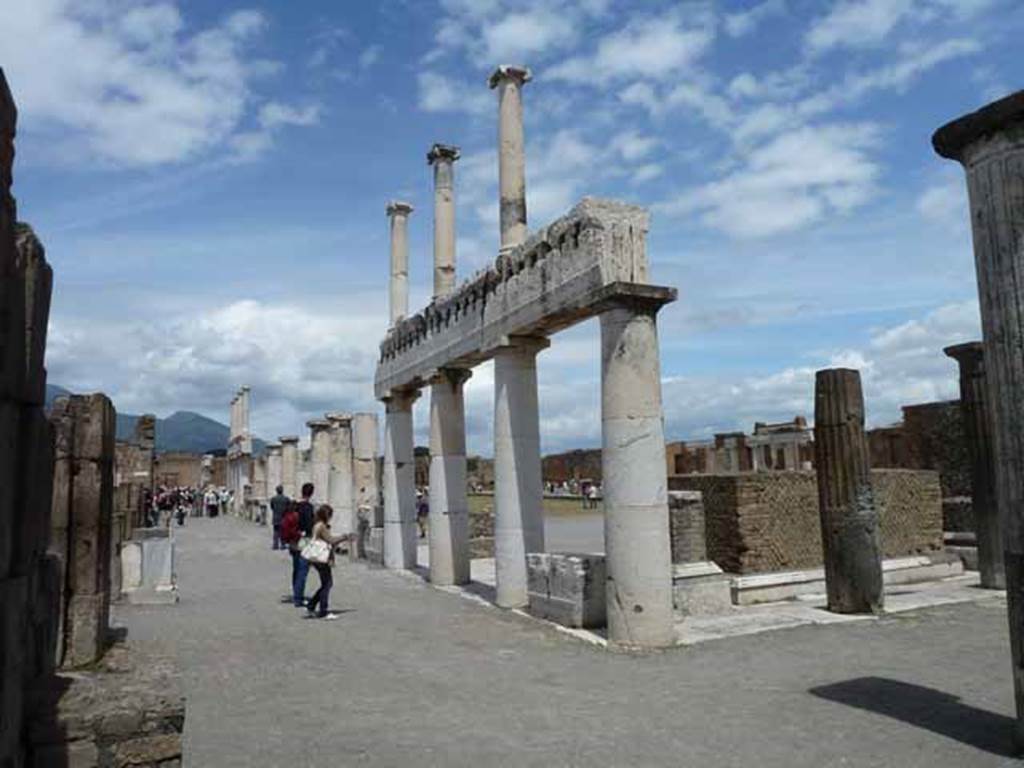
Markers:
point(210, 178)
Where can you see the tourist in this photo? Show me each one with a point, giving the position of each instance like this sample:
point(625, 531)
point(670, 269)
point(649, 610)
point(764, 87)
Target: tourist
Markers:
point(291, 537)
point(212, 502)
point(422, 513)
point(278, 506)
point(593, 494)
point(305, 510)
point(322, 532)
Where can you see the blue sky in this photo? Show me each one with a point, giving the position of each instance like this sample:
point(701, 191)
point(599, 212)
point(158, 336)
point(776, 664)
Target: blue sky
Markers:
point(210, 179)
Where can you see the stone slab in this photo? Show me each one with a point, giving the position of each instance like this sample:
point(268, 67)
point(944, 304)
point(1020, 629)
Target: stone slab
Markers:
point(701, 589)
point(567, 588)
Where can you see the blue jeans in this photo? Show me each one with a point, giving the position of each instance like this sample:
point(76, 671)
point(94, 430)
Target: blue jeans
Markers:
point(321, 595)
point(278, 544)
point(300, 570)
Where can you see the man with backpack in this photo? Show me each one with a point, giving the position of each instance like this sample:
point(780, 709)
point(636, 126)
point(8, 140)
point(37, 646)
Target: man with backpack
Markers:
point(278, 506)
point(291, 534)
point(304, 523)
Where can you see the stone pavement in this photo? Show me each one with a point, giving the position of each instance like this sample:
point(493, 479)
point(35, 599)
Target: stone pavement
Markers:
point(412, 675)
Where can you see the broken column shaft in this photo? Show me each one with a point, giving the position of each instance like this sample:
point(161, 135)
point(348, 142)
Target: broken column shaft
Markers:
point(290, 465)
point(449, 506)
point(977, 427)
point(398, 213)
point(399, 483)
point(509, 81)
point(989, 144)
point(320, 458)
point(849, 519)
point(339, 493)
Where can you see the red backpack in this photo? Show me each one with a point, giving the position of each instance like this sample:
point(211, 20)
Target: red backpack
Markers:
point(290, 533)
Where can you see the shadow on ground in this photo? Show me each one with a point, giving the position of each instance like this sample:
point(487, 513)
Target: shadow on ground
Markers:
point(927, 708)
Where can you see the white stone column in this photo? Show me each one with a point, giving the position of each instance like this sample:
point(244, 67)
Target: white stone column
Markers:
point(443, 158)
point(244, 430)
point(320, 459)
point(636, 525)
point(365, 482)
point(518, 490)
point(398, 213)
point(399, 483)
point(233, 426)
point(449, 507)
point(340, 492)
point(274, 467)
point(509, 81)
point(290, 466)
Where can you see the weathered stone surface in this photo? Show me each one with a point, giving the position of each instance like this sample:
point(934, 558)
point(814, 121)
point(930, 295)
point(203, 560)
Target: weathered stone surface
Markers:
point(94, 427)
point(38, 281)
point(849, 518)
point(686, 526)
point(567, 588)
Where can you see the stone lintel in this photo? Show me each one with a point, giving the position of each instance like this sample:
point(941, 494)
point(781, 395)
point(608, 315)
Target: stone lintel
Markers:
point(410, 393)
point(969, 353)
point(951, 139)
point(339, 417)
point(454, 376)
point(635, 295)
point(318, 424)
point(515, 341)
point(447, 152)
point(509, 72)
point(399, 208)
point(288, 439)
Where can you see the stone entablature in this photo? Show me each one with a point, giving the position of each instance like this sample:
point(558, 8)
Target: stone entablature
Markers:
point(563, 273)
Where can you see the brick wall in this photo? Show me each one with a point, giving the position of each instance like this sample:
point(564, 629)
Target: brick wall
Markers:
point(768, 521)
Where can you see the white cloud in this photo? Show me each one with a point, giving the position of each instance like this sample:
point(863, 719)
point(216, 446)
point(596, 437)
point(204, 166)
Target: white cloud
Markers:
point(745, 22)
point(945, 202)
point(439, 93)
point(632, 145)
point(369, 56)
point(856, 24)
point(130, 83)
point(519, 36)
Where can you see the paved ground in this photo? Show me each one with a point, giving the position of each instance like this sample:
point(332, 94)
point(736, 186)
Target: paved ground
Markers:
point(412, 675)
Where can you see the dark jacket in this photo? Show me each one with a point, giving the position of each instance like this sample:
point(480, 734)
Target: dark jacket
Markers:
point(306, 518)
point(278, 506)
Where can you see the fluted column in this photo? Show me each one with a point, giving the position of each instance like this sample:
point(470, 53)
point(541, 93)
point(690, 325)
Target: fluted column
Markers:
point(518, 490)
point(636, 523)
point(340, 491)
point(399, 482)
point(509, 81)
point(398, 214)
point(449, 507)
point(290, 465)
point(443, 158)
point(990, 145)
point(849, 519)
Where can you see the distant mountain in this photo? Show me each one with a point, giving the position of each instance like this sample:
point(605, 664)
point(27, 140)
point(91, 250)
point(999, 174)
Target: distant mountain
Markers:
point(181, 431)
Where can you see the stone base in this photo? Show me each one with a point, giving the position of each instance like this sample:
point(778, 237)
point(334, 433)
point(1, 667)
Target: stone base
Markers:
point(700, 589)
point(566, 588)
point(787, 585)
point(152, 596)
point(127, 711)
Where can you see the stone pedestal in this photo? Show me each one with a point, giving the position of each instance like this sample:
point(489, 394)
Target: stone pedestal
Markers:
point(518, 489)
point(147, 563)
point(849, 518)
point(977, 427)
point(400, 530)
point(636, 524)
point(567, 588)
point(990, 145)
point(449, 507)
point(699, 586)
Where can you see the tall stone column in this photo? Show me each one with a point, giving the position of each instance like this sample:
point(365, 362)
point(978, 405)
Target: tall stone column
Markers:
point(290, 465)
point(443, 158)
point(638, 550)
point(340, 492)
point(846, 502)
point(320, 458)
point(990, 145)
point(365, 480)
point(518, 489)
point(398, 213)
point(399, 483)
point(449, 506)
point(274, 477)
point(509, 81)
point(244, 430)
point(977, 426)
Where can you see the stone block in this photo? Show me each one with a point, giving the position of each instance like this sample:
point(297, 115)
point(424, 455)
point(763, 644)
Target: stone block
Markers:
point(37, 278)
point(44, 609)
point(701, 589)
point(94, 427)
point(131, 565)
point(152, 575)
point(34, 489)
point(85, 629)
point(567, 588)
point(686, 526)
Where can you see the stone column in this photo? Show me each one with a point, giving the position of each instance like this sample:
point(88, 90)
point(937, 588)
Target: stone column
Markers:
point(977, 426)
point(509, 81)
point(244, 426)
point(274, 467)
point(398, 213)
point(320, 459)
point(399, 483)
point(340, 491)
point(990, 145)
point(443, 158)
point(636, 520)
point(849, 519)
point(449, 506)
point(518, 490)
point(290, 466)
point(365, 480)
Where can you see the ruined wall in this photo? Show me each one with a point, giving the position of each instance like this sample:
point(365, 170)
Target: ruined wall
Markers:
point(29, 576)
point(768, 521)
point(179, 469)
point(935, 438)
point(578, 465)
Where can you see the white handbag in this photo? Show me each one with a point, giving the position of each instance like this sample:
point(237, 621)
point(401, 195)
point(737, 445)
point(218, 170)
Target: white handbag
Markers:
point(317, 551)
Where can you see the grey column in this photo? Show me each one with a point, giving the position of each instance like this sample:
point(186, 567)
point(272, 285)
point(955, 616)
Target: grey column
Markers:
point(990, 145)
point(449, 506)
point(638, 552)
point(399, 483)
point(320, 458)
point(509, 81)
point(443, 158)
point(850, 536)
point(274, 478)
point(398, 213)
point(977, 425)
point(340, 492)
point(290, 465)
point(365, 481)
point(518, 490)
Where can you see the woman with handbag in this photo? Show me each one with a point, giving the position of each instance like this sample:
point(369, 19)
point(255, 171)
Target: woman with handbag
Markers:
point(320, 553)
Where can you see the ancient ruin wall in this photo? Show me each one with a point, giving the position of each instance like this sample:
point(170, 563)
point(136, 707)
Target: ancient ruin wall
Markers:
point(768, 521)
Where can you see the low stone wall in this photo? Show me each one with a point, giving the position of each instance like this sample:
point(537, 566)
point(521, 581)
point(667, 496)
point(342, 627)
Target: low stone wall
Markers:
point(768, 521)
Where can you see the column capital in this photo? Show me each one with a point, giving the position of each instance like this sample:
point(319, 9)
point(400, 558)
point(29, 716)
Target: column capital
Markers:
point(954, 137)
point(512, 72)
point(318, 424)
point(453, 376)
point(245, 388)
point(289, 439)
point(525, 343)
point(400, 397)
point(399, 208)
point(969, 355)
point(443, 152)
point(338, 417)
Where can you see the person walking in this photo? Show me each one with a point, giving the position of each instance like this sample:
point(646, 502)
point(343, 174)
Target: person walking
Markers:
point(317, 606)
point(278, 506)
point(305, 510)
point(291, 536)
